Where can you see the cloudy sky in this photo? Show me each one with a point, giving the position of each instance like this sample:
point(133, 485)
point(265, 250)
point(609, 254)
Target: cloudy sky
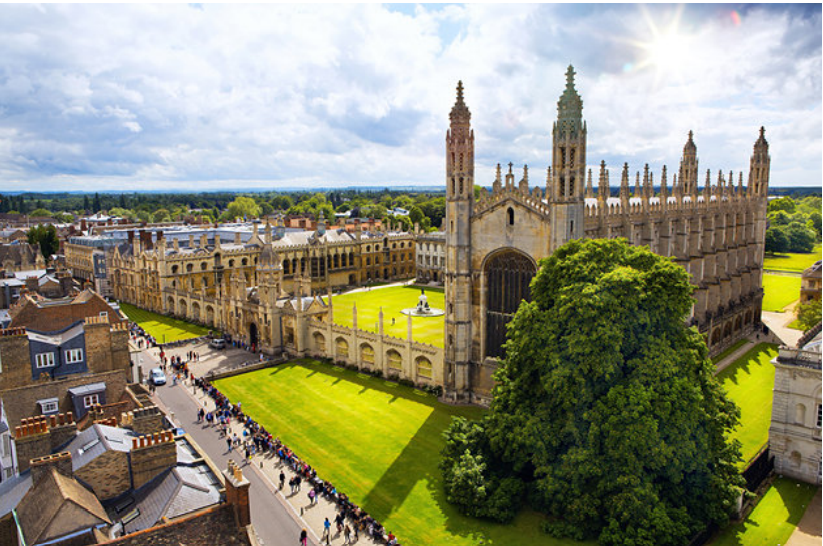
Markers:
point(100, 97)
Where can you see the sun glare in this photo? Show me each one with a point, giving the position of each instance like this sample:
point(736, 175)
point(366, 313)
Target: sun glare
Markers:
point(665, 50)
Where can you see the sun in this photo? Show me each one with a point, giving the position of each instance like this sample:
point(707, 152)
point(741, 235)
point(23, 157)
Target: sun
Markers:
point(667, 50)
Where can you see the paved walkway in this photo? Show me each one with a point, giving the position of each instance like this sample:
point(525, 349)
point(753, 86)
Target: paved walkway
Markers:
point(779, 324)
point(808, 531)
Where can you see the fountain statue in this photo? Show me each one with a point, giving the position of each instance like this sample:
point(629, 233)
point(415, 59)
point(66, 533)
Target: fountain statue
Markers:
point(423, 309)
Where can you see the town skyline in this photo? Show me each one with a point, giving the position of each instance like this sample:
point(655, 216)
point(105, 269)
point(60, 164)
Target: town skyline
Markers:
point(214, 97)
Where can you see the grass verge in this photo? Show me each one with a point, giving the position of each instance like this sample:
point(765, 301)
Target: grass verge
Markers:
point(791, 261)
point(749, 382)
point(164, 329)
point(780, 291)
point(773, 519)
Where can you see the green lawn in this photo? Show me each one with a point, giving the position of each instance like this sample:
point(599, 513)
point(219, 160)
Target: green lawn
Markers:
point(392, 299)
point(378, 442)
point(164, 329)
point(726, 352)
point(780, 291)
point(791, 261)
point(773, 519)
point(749, 382)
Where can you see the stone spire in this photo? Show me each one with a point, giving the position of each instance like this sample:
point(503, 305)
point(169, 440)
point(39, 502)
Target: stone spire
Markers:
point(624, 188)
point(647, 184)
point(664, 190)
point(549, 194)
point(498, 184)
point(589, 189)
point(570, 106)
point(603, 183)
point(460, 112)
point(524, 182)
point(707, 187)
point(636, 185)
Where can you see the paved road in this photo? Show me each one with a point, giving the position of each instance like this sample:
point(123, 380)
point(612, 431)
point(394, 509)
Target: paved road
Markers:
point(272, 519)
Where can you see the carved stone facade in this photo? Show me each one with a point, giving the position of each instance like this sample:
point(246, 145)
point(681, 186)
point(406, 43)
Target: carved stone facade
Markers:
point(794, 435)
point(494, 243)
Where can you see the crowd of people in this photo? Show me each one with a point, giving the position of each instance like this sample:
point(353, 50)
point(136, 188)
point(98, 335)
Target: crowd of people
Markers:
point(351, 519)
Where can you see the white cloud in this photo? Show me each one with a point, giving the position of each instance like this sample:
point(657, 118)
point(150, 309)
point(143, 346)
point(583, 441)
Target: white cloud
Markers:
point(162, 96)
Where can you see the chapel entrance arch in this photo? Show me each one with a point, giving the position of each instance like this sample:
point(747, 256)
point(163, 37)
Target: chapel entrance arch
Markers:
point(253, 338)
point(508, 273)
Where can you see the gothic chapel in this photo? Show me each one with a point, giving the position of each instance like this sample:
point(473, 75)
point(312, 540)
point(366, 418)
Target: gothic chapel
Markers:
point(493, 243)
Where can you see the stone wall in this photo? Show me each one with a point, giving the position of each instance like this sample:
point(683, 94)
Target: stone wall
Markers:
point(403, 358)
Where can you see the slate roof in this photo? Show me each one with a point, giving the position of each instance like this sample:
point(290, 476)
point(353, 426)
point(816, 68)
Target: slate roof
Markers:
point(179, 491)
point(12, 492)
point(49, 509)
point(96, 440)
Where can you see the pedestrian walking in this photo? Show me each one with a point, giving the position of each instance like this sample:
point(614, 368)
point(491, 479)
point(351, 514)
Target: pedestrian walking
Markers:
point(312, 497)
point(346, 535)
point(338, 520)
point(282, 479)
point(228, 443)
point(304, 538)
point(326, 530)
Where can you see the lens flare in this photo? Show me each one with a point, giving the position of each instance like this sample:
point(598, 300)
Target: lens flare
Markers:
point(735, 18)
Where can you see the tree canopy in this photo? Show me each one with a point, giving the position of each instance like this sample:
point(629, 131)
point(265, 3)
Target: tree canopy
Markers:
point(45, 236)
point(605, 408)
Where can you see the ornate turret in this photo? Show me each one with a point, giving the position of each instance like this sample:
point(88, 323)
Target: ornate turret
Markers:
point(589, 188)
point(759, 167)
point(568, 166)
point(688, 167)
point(459, 206)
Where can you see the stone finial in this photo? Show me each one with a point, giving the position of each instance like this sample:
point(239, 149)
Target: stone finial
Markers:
point(603, 182)
point(524, 182)
point(636, 185)
point(498, 183)
point(589, 188)
point(460, 112)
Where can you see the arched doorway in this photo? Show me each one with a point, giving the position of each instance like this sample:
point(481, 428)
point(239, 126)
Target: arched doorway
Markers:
point(508, 274)
point(253, 336)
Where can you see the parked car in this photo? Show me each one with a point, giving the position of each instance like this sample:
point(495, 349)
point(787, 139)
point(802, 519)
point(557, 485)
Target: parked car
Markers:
point(217, 344)
point(157, 377)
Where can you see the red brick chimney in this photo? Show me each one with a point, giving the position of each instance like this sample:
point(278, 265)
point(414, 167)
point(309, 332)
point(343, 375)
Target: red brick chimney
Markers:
point(237, 493)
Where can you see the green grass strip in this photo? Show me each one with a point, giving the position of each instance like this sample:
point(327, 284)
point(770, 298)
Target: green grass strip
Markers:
point(164, 329)
point(780, 291)
point(774, 519)
point(791, 261)
point(749, 382)
point(719, 358)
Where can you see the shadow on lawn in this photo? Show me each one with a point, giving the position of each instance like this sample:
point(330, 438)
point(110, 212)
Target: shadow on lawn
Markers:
point(744, 363)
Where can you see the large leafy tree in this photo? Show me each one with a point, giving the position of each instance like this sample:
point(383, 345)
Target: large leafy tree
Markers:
point(45, 236)
point(606, 405)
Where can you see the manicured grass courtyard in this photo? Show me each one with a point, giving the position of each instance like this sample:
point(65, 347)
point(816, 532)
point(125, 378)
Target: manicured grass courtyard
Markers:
point(780, 291)
point(749, 382)
point(791, 261)
point(773, 519)
point(164, 329)
point(377, 441)
point(392, 299)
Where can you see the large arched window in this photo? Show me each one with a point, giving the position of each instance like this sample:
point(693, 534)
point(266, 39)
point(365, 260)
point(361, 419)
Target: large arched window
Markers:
point(395, 361)
point(342, 351)
point(424, 367)
point(366, 354)
point(508, 274)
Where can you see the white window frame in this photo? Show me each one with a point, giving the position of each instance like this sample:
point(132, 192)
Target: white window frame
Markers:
point(91, 400)
point(73, 356)
point(49, 407)
point(104, 314)
point(48, 358)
